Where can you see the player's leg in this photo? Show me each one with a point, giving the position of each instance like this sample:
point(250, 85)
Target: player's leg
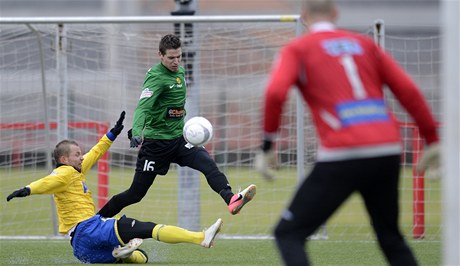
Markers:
point(323, 191)
point(380, 194)
point(129, 229)
point(199, 159)
point(138, 189)
point(154, 158)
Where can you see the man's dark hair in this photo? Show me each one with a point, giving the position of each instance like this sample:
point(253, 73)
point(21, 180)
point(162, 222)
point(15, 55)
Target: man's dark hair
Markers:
point(63, 148)
point(169, 41)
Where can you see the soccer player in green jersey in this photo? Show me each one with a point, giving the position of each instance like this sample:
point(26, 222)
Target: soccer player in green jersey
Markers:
point(94, 238)
point(157, 127)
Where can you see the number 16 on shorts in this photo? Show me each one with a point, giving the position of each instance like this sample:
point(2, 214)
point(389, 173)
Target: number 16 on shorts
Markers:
point(148, 166)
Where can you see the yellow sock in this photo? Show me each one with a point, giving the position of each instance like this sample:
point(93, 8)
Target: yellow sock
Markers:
point(173, 235)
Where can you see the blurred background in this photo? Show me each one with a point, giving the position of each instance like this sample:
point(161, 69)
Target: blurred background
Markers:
point(92, 71)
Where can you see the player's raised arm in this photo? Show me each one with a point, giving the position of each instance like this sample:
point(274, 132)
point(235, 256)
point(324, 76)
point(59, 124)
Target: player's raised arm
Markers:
point(103, 145)
point(283, 77)
point(411, 98)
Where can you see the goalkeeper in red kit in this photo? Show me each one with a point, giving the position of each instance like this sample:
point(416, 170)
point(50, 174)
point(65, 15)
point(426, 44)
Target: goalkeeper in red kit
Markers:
point(157, 128)
point(96, 239)
point(341, 75)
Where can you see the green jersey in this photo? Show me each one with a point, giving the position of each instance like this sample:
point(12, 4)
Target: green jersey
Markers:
point(160, 111)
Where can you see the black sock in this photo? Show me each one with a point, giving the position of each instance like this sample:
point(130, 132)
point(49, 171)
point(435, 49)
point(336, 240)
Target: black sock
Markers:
point(226, 194)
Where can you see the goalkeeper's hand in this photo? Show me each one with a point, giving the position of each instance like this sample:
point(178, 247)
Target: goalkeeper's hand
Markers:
point(116, 130)
point(133, 141)
point(23, 192)
point(265, 162)
point(430, 159)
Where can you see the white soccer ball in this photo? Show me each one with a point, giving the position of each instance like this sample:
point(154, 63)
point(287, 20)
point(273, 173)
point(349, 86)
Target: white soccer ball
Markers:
point(197, 131)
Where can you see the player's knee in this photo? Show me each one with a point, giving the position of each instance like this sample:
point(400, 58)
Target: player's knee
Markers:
point(281, 230)
point(287, 229)
point(212, 173)
point(203, 163)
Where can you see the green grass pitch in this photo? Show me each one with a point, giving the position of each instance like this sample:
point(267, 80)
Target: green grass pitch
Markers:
point(342, 248)
point(225, 252)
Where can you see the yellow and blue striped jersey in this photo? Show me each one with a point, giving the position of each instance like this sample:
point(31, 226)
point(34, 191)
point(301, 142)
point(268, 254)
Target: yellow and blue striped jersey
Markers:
point(72, 196)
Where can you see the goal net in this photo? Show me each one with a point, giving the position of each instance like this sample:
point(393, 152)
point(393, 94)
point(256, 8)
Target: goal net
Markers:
point(93, 71)
point(419, 55)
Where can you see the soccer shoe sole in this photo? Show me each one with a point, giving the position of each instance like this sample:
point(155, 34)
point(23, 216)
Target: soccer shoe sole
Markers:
point(125, 251)
point(210, 234)
point(247, 195)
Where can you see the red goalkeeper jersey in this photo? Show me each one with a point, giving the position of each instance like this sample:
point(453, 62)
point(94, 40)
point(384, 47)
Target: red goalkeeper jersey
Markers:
point(341, 76)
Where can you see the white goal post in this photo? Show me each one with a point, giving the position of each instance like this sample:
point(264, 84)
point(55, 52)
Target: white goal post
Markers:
point(94, 67)
point(450, 14)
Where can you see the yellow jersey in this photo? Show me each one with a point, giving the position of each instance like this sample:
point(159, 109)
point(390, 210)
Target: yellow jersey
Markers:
point(72, 196)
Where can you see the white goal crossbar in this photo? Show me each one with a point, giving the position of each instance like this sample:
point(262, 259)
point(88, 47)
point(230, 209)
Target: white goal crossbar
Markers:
point(148, 19)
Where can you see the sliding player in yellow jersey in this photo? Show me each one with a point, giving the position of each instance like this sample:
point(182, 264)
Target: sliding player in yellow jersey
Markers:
point(96, 239)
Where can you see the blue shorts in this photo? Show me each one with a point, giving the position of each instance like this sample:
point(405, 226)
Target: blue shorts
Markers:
point(94, 239)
